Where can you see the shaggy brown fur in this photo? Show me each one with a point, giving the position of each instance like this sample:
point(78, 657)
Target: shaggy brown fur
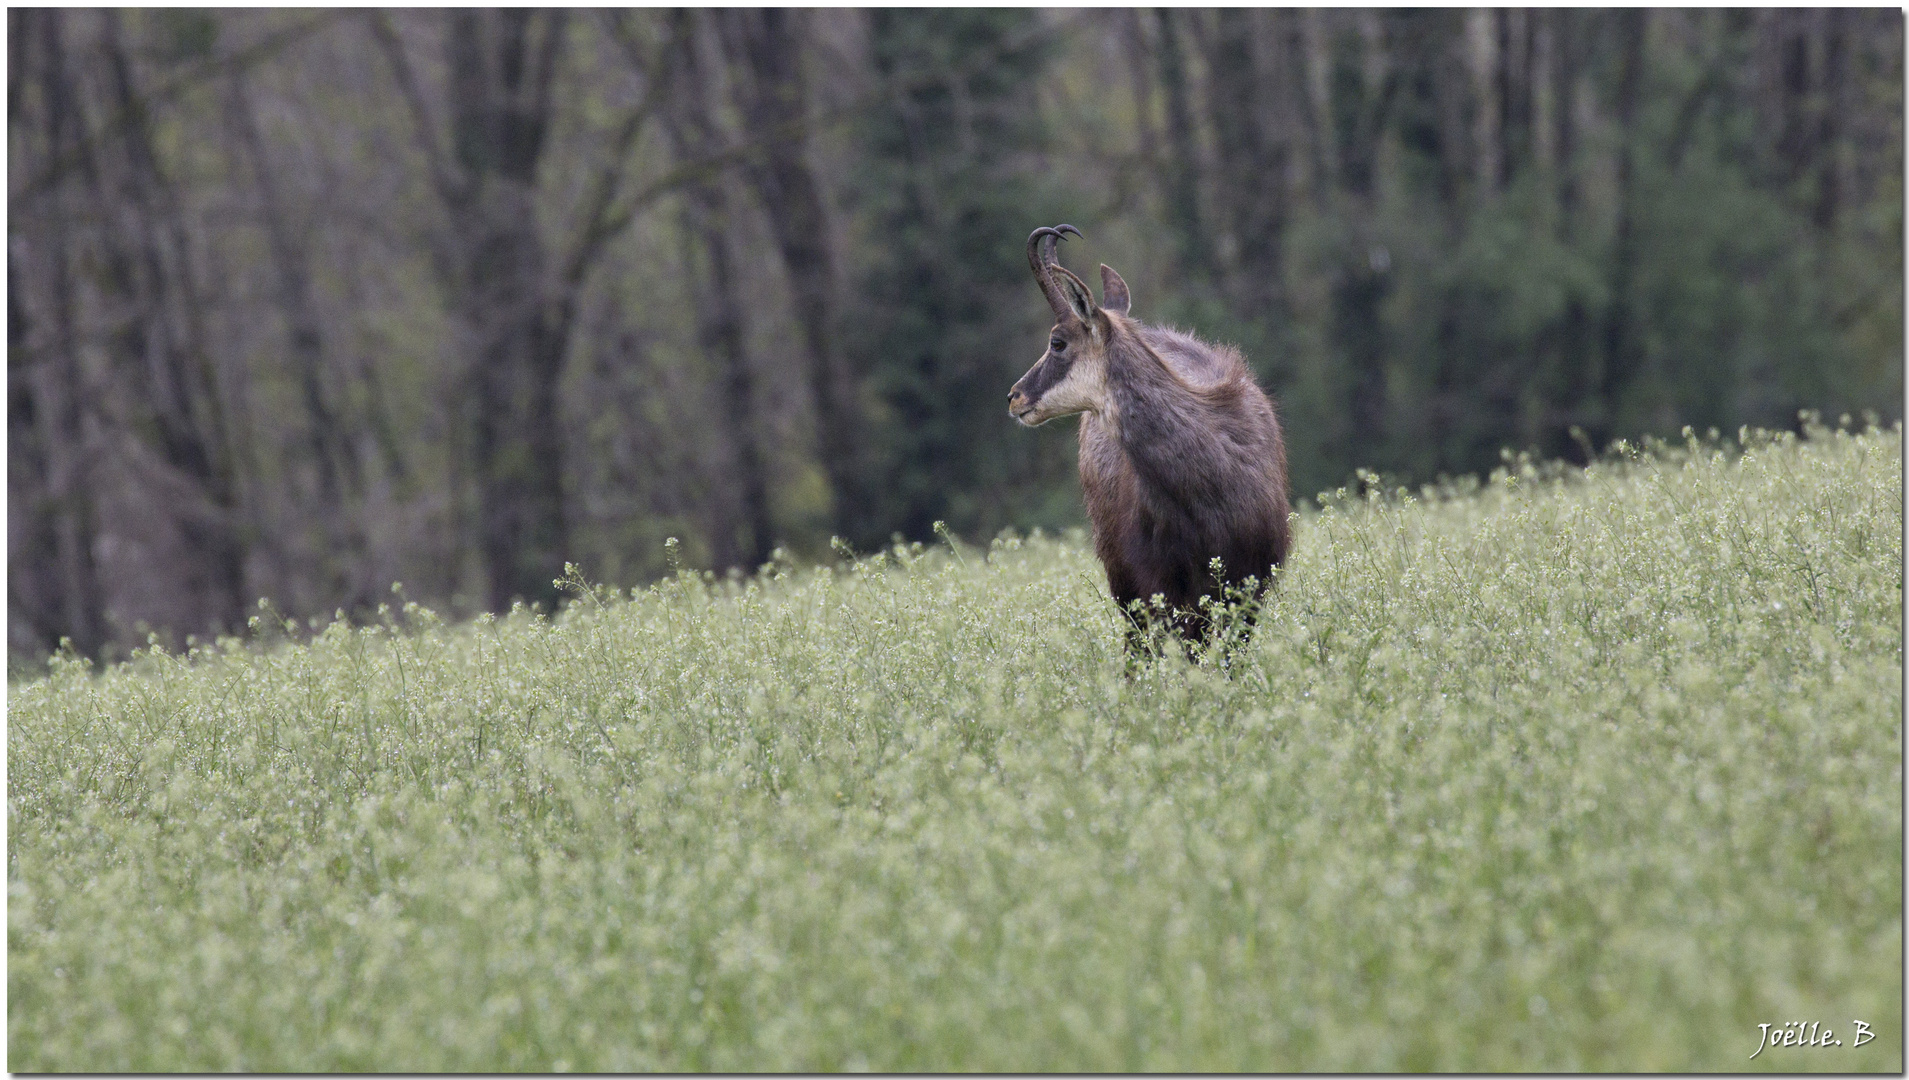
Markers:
point(1181, 458)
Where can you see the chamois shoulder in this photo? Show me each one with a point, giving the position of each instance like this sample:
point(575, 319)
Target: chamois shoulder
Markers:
point(1197, 362)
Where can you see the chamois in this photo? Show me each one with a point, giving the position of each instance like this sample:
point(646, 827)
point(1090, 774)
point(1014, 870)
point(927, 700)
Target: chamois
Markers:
point(1181, 459)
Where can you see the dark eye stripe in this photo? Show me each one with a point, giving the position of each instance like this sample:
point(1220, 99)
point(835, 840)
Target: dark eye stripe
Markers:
point(1045, 376)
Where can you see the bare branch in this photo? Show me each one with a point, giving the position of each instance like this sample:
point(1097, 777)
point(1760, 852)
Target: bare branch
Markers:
point(614, 221)
point(544, 70)
point(451, 185)
point(597, 226)
point(124, 120)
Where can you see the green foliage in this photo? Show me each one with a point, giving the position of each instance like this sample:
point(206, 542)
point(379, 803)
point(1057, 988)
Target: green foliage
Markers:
point(1565, 770)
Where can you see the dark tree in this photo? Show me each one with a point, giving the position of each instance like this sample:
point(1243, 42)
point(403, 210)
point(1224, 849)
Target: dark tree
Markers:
point(53, 587)
point(1180, 167)
point(941, 297)
point(1253, 150)
point(743, 536)
point(337, 553)
point(1621, 346)
point(514, 298)
point(767, 43)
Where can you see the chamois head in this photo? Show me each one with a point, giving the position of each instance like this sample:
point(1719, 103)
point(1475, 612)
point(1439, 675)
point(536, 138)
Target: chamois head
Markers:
point(1071, 376)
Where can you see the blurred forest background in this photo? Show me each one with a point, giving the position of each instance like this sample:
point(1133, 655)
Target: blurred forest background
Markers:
point(302, 303)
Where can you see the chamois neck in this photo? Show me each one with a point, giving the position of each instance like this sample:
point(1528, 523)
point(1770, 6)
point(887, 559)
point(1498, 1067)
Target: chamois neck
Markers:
point(1137, 376)
point(1168, 429)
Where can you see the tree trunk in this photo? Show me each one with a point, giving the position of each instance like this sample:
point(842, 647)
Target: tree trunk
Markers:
point(1566, 28)
point(54, 589)
point(1561, 345)
point(1140, 65)
point(1834, 102)
point(160, 347)
point(1543, 100)
point(1517, 48)
point(1252, 167)
point(501, 65)
point(102, 273)
point(1182, 167)
point(747, 540)
point(1482, 40)
point(34, 596)
point(1322, 153)
point(339, 552)
point(1360, 98)
point(775, 109)
point(1620, 343)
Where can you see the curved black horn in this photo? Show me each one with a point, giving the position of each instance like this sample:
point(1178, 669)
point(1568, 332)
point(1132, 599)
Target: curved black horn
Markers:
point(1040, 255)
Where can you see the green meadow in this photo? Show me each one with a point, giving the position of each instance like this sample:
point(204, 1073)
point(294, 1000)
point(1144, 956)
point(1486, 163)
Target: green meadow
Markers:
point(1569, 769)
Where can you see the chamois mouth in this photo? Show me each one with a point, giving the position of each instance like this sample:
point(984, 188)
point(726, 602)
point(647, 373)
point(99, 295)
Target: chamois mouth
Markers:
point(1023, 415)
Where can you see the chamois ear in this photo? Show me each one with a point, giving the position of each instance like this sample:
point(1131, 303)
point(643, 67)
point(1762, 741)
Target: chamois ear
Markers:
point(1079, 300)
point(1113, 291)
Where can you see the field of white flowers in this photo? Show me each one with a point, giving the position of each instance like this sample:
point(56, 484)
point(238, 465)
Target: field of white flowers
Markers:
point(1568, 770)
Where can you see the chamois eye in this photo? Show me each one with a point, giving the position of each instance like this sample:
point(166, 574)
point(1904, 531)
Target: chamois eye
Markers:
point(1057, 345)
